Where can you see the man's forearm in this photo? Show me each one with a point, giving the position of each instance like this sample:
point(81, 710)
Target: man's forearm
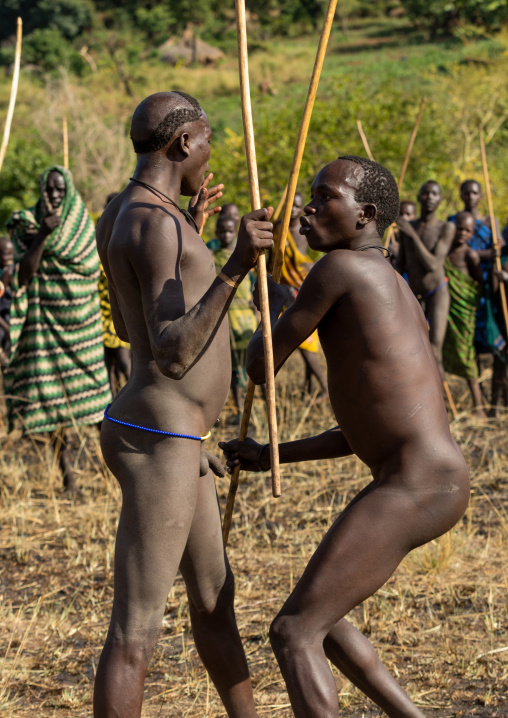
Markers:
point(331, 444)
point(429, 261)
point(31, 260)
point(184, 340)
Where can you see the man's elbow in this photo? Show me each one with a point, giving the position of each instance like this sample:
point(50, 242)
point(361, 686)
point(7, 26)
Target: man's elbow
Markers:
point(171, 366)
point(256, 370)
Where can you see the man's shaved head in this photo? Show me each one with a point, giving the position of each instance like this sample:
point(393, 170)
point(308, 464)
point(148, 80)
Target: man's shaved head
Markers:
point(157, 118)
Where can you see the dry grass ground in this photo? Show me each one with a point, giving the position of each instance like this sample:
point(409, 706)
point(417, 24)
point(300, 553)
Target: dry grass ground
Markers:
point(440, 623)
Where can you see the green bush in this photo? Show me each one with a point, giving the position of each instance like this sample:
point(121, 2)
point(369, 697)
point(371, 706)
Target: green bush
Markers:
point(68, 17)
point(449, 17)
point(19, 179)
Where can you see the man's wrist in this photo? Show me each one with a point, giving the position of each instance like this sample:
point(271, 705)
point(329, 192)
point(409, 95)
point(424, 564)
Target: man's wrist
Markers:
point(264, 458)
point(234, 271)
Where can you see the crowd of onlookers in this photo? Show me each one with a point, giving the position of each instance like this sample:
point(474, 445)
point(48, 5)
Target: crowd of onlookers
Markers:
point(62, 359)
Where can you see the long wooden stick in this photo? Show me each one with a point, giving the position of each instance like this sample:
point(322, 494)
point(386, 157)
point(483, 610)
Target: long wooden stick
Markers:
point(411, 144)
point(261, 266)
point(391, 229)
point(65, 143)
point(364, 140)
point(278, 210)
point(244, 427)
point(278, 250)
point(495, 240)
point(255, 200)
point(14, 92)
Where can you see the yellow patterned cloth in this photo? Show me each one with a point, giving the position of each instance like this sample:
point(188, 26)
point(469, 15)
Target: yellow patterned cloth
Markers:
point(294, 270)
point(109, 335)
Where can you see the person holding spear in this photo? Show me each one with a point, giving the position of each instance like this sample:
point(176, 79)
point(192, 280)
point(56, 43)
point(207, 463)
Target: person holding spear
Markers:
point(386, 394)
point(170, 305)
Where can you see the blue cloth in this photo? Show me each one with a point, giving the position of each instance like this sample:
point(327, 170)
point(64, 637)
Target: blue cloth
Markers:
point(214, 244)
point(481, 239)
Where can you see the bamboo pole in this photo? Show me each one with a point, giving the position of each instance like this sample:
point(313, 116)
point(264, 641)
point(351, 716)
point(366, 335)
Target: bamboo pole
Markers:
point(275, 216)
point(65, 143)
point(278, 250)
point(261, 266)
point(244, 426)
point(14, 91)
point(364, 140)
point(495, 239)
point(400, 182)
point(255, 200)
point(450, 398)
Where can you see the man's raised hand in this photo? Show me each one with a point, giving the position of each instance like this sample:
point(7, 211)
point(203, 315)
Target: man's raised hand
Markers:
point(254, 236)
point(198, 205)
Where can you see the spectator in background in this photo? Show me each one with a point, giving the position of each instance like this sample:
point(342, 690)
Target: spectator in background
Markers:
point(56, 377)
point(6, 265)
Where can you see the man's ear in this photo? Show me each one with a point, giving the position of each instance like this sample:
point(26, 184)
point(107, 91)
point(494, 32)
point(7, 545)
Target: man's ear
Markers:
point(179, 149)
point(369, 212)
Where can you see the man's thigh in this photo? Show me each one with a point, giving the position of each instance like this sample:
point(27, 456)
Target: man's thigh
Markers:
point(160, 487)
point(204, 565)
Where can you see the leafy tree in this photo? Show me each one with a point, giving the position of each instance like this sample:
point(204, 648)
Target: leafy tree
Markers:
point(19, 180)
point(450, 16)
point(68, 17)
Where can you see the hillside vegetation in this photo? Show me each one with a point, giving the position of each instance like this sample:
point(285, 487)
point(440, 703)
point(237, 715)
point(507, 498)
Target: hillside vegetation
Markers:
point(378, 73)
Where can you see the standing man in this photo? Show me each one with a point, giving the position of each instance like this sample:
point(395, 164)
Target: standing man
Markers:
point(488, 337)
point(424, 245)
point(168, 302)
point(56, 376)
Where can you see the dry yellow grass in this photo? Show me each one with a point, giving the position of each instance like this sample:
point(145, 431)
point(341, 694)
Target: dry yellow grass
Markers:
point(439, 624)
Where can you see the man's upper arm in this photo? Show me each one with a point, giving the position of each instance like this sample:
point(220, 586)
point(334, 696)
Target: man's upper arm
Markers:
point(155, 259)
point(116, 314)
point(322, 288)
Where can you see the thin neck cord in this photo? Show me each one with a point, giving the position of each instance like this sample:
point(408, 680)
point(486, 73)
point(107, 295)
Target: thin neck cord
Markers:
point(188, 216)
point(388, 254)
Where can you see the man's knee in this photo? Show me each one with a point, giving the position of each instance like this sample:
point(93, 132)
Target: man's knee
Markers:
point(134, 647)
point(217, 598)
point(286, 635)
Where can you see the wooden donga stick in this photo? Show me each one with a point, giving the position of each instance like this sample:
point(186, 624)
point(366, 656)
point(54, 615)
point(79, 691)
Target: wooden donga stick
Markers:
point(391, 229)
point(14, 91)
point(495, 239)
point(255, 201)
point(278, 250)
point(364, 140)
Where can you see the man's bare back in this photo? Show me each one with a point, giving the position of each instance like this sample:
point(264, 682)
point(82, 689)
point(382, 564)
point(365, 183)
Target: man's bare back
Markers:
point(385, 391)
point(168, 303)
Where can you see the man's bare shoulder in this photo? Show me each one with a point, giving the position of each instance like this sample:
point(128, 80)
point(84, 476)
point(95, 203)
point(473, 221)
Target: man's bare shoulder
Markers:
point(345, 270)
